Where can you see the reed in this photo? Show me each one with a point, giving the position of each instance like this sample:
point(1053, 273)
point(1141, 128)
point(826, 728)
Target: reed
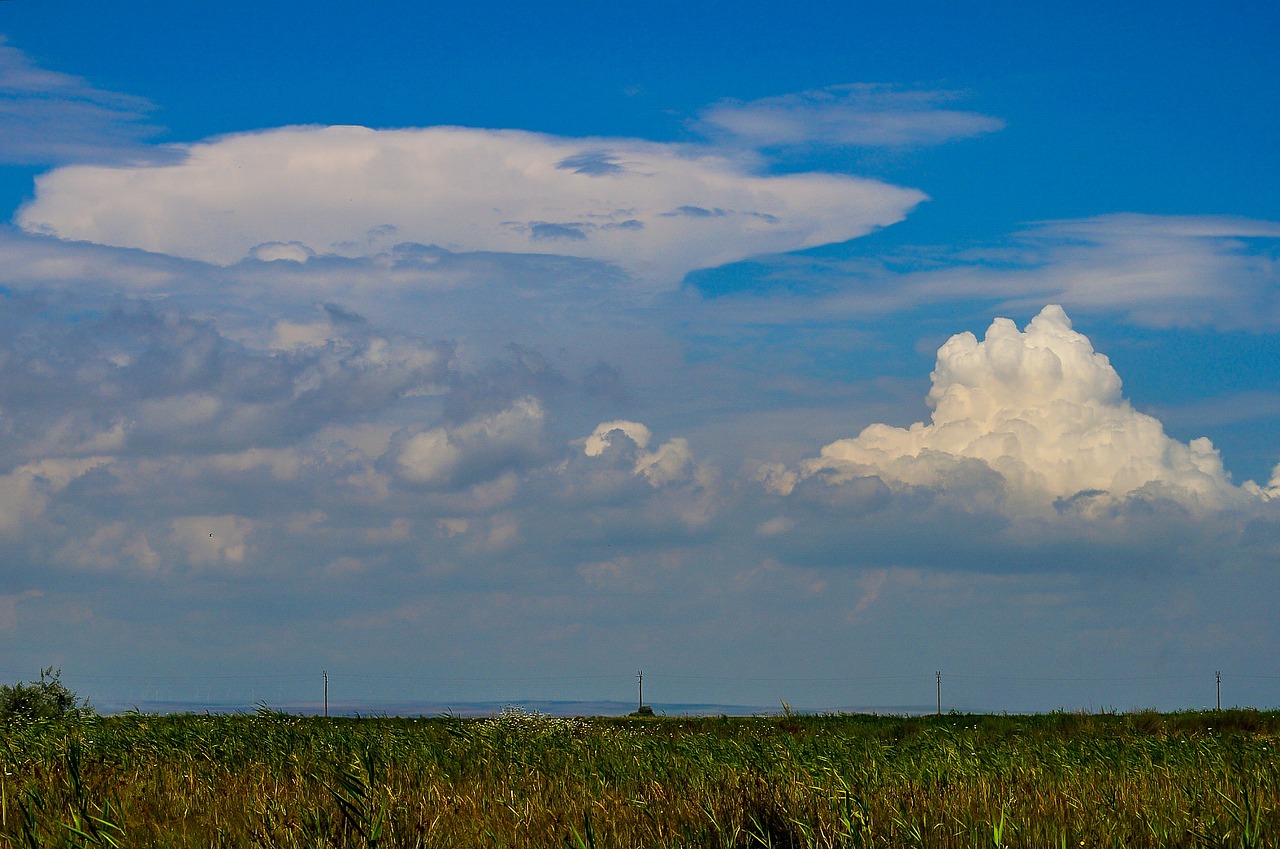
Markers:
point(525, 780)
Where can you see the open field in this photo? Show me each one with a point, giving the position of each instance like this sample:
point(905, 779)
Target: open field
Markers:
point(521, 780)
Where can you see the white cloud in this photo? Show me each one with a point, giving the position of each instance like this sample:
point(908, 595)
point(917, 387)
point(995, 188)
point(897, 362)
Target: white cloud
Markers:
point(855, 115)
point(478, 449)
point(212, 540)
point(1043, 410)
point(657, 210)
point(669, 462)
point(112, 546)
point(599, 440)
point(25, 492)
point(281, 251)
point(618, 474)
point(429, 457)
point(1270, 491)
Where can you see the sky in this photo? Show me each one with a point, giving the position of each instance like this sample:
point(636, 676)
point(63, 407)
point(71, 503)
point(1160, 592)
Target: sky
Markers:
point(499, 351)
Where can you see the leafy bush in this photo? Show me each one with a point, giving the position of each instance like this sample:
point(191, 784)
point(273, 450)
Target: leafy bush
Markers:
point(46, 699)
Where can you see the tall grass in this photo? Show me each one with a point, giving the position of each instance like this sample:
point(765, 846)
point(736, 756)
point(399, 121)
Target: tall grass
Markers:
point(524, 780)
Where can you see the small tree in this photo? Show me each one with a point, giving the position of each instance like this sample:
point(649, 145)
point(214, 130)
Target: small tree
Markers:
point(47, 699)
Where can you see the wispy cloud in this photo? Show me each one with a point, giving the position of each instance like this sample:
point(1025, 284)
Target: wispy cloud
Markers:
point(1153, 270)
point(1161, 271)
point(47, 117)
point(856, 115)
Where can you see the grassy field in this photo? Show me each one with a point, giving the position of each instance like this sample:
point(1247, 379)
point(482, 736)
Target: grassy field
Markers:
point(521, 780)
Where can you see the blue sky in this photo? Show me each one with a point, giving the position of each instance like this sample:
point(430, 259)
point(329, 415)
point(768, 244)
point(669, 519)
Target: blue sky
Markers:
point(497, 351)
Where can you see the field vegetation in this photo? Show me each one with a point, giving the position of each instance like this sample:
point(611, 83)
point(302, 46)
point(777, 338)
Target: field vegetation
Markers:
point(526, 780)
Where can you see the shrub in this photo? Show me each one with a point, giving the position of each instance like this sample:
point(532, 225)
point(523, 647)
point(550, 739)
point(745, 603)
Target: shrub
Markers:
point(46, 699)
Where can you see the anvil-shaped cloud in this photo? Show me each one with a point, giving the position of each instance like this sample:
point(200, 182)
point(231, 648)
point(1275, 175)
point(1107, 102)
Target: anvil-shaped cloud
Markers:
point(1043, 410)
point(657, 210)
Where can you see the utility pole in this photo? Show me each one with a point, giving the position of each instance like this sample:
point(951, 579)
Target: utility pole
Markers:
point(640, 679)
point(1218, 675)
point(938, 675)
point(326, 694)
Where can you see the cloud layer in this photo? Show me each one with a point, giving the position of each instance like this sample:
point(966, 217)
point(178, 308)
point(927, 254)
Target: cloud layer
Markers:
point(1044, 411)
point(657, 210)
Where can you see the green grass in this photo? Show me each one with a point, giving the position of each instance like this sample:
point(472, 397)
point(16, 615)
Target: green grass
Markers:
point(274, 780)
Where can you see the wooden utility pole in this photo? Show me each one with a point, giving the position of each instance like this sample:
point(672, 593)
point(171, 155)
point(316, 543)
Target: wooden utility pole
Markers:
point(938, 675)
point(326, 694)
point(1218, 675)
point(640, 679)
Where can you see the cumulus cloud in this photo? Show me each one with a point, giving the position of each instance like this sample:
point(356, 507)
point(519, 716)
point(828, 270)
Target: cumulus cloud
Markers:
point(858, 115)
point(26, 491)
point(477, 450)
point(283, 194)
point(671, 461)
point(111, 546)
point(212, 540)
point(48, 117)
point(600, 438)
point(1045, 412)
point(620, 481)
